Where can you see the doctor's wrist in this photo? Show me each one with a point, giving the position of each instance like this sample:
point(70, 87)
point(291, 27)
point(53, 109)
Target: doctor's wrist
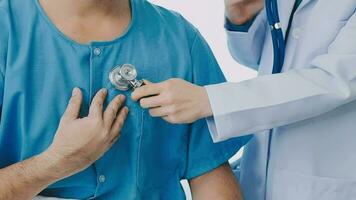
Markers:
point(240, 12)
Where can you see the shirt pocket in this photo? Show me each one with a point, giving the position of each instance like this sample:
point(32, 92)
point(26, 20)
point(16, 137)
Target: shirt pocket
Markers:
point(295, 186)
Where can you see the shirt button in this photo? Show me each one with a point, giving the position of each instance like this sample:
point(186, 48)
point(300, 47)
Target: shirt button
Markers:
point(102, 178)
point(97, 51)
point(296, 33)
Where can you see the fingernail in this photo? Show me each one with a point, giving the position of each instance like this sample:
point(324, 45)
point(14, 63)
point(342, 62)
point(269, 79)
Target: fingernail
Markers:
point(122, 97)
point(104, 91)
point(75, 91)
point(133, 97)
point(126, 110)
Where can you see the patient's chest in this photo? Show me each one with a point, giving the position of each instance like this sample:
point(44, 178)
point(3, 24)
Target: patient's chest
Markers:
point(38, 86)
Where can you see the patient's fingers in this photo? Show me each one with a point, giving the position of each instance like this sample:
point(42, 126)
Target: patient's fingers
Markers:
point(146, 90)
point(96, 107)
point(112, 109)
point(119, 123)
point(73, 108)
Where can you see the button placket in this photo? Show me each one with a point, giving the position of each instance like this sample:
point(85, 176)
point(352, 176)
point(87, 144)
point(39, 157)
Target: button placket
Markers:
point(96, 75)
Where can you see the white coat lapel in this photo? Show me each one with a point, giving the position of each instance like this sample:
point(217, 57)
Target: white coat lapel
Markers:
point(285, 9)
point(321, 28)
point(292, 54)
point(304, 3)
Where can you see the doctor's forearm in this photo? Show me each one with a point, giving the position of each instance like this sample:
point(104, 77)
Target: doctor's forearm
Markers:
point(326, 83)
point(26, 179)
point(272, 101)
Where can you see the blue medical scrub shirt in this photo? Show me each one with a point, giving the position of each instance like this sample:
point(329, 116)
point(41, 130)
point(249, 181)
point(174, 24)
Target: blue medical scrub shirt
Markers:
point(40, 66)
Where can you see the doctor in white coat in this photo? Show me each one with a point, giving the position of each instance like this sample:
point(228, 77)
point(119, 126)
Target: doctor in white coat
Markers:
point(304, 118)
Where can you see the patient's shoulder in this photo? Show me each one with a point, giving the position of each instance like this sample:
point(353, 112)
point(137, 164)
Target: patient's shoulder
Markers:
point(171, 20)
point(4, 4)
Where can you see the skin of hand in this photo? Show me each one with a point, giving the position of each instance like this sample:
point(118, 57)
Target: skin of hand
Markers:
point(81, 141)
point(77, 144)
point(219, 184)
point(241, 11)
point(175, 100)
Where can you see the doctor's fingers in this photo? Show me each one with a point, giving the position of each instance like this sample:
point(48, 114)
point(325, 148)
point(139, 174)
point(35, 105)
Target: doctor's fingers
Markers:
point(154, 101)
point(118, 123)
point(146, 90)
point(112, 109)
point(73, 108)
point(160, 111)
point(171, 119)
point(178, 118)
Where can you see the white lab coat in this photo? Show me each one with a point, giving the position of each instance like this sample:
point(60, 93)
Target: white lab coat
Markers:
point(311, 106)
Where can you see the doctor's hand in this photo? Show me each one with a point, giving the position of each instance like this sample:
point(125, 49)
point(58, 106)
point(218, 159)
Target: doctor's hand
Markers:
point(175, 100)
point(81, 141)
point(241, 11)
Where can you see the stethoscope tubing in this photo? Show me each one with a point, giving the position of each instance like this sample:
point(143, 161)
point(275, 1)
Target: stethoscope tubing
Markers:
point(277, 35)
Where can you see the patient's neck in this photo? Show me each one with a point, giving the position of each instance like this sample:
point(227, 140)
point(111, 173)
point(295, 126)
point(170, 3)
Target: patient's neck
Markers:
point(89, 20)
point(88, 8)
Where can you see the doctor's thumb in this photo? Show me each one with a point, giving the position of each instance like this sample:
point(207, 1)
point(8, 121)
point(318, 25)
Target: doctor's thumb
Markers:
point(147, 82)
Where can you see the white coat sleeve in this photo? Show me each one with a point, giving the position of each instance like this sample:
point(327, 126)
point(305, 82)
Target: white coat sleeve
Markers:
point(271, 101)
point(246, 47)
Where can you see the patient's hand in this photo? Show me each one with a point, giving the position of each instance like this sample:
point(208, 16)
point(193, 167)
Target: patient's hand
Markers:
point(219, 184)
point(77, 144)
point(81, 141)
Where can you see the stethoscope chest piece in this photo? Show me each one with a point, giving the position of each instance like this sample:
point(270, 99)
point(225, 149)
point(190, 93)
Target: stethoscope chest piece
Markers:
point(124, 77)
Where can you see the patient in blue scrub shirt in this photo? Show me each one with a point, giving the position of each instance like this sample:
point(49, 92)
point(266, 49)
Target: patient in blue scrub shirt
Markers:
point(40, 65)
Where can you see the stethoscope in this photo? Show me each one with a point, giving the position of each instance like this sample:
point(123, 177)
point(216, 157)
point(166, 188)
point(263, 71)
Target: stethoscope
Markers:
point(277, 35)
point(124, 77)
